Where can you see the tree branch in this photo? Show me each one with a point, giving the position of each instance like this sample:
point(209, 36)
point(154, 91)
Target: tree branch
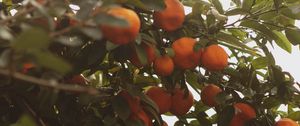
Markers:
point(52, 83)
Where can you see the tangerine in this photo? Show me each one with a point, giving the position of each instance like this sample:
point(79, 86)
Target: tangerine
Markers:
point(142, 116)
point(286, 122)
point(181, 104)
point(209, 93)
point(172, 17)
point(161, 97)
point(214, 58)
point(185, 56)
point(122, 35)
point(163, 65)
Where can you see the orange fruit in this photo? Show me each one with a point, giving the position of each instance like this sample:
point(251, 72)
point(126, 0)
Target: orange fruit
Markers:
point(185, 56)
point(133, 102)
point(181, 104)
point(163, 65)
point(172, 17)
point(27, 67)
point(142, 116)
point(214, 58)
point(150, 53)
point(286, 122)
point(161, 97)
point(237, 121)
point(209, 93)
point(76, 79)
point(245, 111)
point(122, 35)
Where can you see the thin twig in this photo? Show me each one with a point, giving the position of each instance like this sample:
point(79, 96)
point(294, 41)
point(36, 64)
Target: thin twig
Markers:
point(50, 83)
point(33, 113)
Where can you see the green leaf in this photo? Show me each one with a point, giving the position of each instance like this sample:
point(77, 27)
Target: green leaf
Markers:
point(142, 54)
point(218, 6)
point(226, 116)
point(260, 62)
point(269, 15)
point(170, 52)
point(293, 35)
point(94, 33)
point(34, 38)
point(294, 116)
point(282, 41)
point(270, 103)
point(231, 40)
point(277, 4)
point(237, 2)
point(106, 19)
point(292, 11)
point(156, 5)
point(247, 4)
point(25, 120)
point(120, 106)
point(236, 11)
point(51, 61)
point(259, 27)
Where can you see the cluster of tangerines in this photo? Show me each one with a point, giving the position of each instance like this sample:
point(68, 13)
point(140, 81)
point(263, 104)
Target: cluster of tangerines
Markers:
point(171, 18)
point(174, 101)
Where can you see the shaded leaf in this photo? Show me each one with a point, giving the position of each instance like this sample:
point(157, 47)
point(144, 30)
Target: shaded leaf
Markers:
point(293, 35)
point(218, 6)
point(120, 106)
point(34, 38)
point(52, 61)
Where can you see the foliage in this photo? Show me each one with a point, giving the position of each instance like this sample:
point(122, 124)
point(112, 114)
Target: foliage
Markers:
point(61, 43)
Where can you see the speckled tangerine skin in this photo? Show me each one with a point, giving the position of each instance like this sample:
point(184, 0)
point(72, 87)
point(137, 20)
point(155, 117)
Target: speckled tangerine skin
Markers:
point(209, 93)
point(163, 65)
point(286, 122)
point(150, 52)
point(181, 104)
point(185, 56)
point(214, 58)
point(172, 17)
point(122, 35)
point(161, 97)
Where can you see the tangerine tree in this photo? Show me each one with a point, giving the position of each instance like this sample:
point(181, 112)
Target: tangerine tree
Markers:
point(129, 62)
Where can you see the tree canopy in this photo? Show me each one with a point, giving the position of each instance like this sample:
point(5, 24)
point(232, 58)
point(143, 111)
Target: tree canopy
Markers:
point(127, 62)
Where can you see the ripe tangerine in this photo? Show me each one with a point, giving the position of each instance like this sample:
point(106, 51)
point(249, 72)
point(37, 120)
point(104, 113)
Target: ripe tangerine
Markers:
point(286, 122)
point(163, 65)
point(122, 35)
point(185, 56)
point(181, 104)
point(214, 58)
point(209, 93)
point(161, 97)
point(172, 17)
